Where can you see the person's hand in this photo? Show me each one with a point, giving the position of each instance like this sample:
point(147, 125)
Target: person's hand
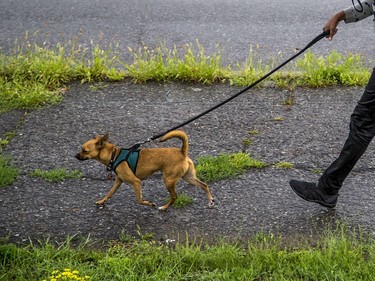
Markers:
point(331, 26)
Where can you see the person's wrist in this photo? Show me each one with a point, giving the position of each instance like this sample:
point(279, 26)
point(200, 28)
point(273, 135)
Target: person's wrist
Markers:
point(340, 16)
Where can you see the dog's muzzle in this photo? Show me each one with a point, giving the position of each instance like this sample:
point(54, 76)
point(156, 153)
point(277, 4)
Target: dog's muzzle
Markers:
point(80, 157)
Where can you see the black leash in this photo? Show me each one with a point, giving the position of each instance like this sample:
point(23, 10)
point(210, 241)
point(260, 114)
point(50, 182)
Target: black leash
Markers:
point(315, 40)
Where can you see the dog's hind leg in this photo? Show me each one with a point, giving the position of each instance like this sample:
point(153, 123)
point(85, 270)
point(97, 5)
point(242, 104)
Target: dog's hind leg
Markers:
point(191, 177)
point(171, 186)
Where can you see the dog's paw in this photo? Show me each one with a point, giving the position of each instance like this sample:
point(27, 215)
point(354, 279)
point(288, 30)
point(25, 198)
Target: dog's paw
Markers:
point(211, 204)
point(162, 208)
point(149, 203)
point(100, 202)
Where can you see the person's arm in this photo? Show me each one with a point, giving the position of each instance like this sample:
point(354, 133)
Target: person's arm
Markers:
point(354, 13)
point(360, 11)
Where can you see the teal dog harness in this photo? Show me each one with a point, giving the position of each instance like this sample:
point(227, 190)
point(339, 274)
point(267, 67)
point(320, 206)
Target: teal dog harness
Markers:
point(129, 156)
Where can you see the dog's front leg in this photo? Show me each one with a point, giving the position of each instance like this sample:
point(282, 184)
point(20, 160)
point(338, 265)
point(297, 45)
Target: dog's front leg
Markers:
point(136, 183)
point(113, 189)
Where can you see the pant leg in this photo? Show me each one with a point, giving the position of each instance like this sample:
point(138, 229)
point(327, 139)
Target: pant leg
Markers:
point(362, 130)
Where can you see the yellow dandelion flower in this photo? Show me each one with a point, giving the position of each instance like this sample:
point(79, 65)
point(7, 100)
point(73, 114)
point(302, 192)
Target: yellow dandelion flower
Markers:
point(67, 275)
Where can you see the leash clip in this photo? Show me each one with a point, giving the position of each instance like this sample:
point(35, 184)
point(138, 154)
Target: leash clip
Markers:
point(139, 144)
point(110, 176)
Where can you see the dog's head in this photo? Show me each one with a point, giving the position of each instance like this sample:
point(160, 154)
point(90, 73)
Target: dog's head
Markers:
point(91, 148)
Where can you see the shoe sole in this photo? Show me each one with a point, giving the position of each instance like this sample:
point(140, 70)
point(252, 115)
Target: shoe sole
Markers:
point(322, 203)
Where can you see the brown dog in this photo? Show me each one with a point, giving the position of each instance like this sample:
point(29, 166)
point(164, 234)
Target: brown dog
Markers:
point(174, 163)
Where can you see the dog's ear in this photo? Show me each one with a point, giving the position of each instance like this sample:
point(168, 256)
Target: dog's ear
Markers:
point(102, 141)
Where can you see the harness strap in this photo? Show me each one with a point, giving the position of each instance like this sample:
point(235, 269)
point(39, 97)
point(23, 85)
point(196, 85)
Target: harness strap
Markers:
point(109, 167)
point(130, 156)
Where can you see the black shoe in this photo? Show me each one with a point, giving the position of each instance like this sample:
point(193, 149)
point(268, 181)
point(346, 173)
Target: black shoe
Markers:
point(312, 193)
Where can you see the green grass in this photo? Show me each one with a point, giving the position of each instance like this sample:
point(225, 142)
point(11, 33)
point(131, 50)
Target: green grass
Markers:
point(5, 140)
point(163, 64)
point(283, 165)
point(182, 201)
point(32, 76)
point(56, 175)
point(35, 75)
point(229, 165)
point(8, 173)
point(338, 254)
point(335, 69)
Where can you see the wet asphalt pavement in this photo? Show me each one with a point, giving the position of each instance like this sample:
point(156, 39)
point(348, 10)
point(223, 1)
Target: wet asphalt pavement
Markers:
point(308, 134)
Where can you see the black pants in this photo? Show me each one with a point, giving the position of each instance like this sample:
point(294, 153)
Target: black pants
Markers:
point(362, 130)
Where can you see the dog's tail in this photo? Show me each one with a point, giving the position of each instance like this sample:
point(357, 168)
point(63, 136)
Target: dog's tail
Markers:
point(181, 135)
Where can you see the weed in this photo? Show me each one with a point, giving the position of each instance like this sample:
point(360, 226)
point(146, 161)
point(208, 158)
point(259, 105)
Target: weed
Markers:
point(56, 175)
point(335, 69)
point(33, 76)
point(253, 132)
point(284, 165)
point(163, 64)
point(210, 168)
point(246, 143)
point(144, 236)
point(278, 118)
point(248, 72)
point(317, 171)
point(182, 201)
point(6, 140)
point(125, 237)
point(289, 100)
point(97, 87)
point(8, 173)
